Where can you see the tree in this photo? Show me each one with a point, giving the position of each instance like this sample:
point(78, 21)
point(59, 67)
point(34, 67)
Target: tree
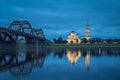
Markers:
point(60, 40)
point(109, 40)
point(84, 40)
point(65, 41)
point(55, 40)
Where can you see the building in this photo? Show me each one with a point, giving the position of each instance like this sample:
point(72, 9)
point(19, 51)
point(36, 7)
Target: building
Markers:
point(87, 35)
point(73, 38)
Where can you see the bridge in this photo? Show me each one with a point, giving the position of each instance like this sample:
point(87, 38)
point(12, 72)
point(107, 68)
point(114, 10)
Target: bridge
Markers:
point(22, 29)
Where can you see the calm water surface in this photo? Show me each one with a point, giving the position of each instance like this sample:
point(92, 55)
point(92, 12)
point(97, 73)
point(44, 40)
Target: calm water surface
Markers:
point(35, 63)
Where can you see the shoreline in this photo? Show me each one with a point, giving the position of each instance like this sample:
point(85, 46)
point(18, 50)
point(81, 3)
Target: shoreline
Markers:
point(62, 46)
point(85, 45)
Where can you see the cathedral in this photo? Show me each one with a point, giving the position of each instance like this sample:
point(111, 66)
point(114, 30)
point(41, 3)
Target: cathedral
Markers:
point(74, 39)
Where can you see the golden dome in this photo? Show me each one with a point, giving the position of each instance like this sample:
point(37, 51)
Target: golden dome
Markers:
point(73, 38)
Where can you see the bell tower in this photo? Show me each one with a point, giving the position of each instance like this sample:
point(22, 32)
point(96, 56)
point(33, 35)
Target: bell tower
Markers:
point(87, 35)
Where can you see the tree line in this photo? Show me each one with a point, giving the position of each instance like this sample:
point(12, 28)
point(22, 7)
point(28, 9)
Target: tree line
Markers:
point(60, 40)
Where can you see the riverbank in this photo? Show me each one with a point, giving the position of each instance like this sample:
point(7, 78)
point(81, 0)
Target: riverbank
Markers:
point(85, 45)
point(72, 45)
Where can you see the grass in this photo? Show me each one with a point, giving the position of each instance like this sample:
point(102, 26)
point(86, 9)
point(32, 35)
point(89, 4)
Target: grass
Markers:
point(81, 45)
point(21, 45)
point(84, 45)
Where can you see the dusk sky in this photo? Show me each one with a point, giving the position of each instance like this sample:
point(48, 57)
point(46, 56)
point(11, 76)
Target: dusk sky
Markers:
point(58, 17)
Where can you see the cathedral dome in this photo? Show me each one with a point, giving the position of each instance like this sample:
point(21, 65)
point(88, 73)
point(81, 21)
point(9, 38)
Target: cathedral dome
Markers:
point(73, 38)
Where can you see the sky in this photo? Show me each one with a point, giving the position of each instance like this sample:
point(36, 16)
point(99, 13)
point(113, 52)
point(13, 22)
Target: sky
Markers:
point(58, 17)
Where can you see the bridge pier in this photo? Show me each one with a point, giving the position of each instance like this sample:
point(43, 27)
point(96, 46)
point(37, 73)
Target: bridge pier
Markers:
point(30, 40)
point(32, 43)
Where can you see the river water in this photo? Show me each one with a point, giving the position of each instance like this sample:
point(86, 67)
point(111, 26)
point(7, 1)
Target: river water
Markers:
point(59, 63)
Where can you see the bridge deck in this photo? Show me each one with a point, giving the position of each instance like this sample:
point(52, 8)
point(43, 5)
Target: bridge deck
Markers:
point(21, 33)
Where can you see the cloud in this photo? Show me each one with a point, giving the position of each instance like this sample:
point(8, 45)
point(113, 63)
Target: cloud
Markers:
point(63, 15)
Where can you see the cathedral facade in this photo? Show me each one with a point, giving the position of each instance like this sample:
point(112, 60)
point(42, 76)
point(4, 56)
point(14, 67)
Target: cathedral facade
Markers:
point(74, 39)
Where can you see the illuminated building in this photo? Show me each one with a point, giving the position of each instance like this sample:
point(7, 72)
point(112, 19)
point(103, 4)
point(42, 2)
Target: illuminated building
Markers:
point(87, 35)
point(73, 38)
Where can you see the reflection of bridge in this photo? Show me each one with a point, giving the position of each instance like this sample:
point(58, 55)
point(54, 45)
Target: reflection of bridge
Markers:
point(22, 29)
point(21, 65)
point(20, 62)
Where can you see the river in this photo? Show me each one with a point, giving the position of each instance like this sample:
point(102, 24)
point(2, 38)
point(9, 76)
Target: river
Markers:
point(59, 63)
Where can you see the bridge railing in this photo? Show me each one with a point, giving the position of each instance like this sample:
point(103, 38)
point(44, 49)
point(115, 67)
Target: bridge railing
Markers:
point(38, 32)
point(22, 26)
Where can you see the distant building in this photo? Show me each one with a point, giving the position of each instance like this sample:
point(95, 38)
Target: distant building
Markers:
point(87, 34)
point(73, 38)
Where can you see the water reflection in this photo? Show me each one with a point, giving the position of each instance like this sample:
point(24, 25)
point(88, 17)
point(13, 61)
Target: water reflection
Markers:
point(73, 55)
point(87, 60)
point(21, 61)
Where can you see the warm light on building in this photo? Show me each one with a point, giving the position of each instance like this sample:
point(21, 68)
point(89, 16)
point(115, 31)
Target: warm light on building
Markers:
point(73, 38)
point(73, 56)
point(87, 35)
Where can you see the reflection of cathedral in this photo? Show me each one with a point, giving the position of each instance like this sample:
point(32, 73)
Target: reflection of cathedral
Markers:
point(87, 61)
point(73, 57)
point(73, 38)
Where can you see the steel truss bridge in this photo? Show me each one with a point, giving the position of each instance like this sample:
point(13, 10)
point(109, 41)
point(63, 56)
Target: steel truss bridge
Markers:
point(22, 29)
